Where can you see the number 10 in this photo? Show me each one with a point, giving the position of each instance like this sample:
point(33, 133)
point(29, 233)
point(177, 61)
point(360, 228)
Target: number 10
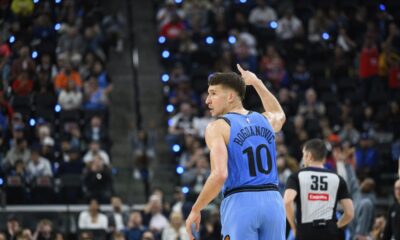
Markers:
point(250, 157)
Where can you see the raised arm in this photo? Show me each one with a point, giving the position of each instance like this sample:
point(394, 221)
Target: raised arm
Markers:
point(273, 110)
point(219, 171)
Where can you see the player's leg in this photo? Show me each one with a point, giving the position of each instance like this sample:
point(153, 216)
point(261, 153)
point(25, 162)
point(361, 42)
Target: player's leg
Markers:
point(239, 217)
point(273, 217)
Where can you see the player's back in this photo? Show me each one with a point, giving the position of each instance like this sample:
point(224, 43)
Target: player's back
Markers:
point(251, 152)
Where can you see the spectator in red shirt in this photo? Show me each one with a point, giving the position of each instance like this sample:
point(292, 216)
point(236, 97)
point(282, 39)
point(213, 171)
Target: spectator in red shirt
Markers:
point(174, 28)
point(394, 76)
point(23, 85)
point(23, 63)
point(369, 59)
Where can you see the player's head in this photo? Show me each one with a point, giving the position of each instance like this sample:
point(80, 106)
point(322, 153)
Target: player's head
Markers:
point(224, 90)
point(314, 150)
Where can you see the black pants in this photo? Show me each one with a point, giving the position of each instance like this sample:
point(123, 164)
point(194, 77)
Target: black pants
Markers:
point(328, 232)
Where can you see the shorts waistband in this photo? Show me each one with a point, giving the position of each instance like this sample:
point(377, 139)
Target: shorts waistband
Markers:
point(258, 188)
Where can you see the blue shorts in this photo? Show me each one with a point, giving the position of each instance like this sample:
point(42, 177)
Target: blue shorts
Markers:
point(253, 216)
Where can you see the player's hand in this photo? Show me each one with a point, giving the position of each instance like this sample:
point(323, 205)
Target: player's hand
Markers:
point(248, 77)
point(194, 217)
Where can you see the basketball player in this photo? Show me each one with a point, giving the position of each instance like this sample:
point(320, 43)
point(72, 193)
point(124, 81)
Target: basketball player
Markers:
point(243, 161)
point(316, 192)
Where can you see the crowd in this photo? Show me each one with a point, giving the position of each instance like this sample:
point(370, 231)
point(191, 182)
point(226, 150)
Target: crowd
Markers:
point(54, 97)
point(158, 220)
point(334, 68)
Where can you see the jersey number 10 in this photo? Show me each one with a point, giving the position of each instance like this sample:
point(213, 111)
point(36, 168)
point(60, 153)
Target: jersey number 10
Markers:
point(250, 156)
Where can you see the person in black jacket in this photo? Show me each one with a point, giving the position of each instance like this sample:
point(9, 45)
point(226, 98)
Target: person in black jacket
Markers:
point(392, 230)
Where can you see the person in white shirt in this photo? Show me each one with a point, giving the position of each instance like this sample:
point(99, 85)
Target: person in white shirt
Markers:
point(38, 166)
point(289, 26)
point(176, 230)
point(157, 220)
point(261, 15)
point(70, 98)
point(94, 149)
point(92, 218)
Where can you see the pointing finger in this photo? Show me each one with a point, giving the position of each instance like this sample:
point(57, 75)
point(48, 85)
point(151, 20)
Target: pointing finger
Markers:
point(240, 68)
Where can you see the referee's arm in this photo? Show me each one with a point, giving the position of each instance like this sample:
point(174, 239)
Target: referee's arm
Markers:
point(348, 212)
point(347, 204)
point(289, 196)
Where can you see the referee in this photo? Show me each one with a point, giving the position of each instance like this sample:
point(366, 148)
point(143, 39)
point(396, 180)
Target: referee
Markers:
point(316, 192)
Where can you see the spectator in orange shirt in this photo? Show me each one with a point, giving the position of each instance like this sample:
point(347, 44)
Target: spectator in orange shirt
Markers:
point(61, 80)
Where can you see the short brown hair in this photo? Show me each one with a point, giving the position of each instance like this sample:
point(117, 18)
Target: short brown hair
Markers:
point(230, 80)
point(317, 149)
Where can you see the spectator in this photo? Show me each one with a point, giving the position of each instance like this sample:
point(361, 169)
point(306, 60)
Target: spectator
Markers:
point(182, 122)
point(312, 110)
point(378, 228)
point(272, 67)
point(45, 231)
point(342, 165)
point(349, 133)
point(245, 56)
point(262, 14)
point(23, 63)
point(153, 217)
point(97, 180)
point(70, 98)
point(368, 65)
point(12, 227)
point(366, 156)
point(71, 41)
point(117, 218)
point(18, 151)
point(96, 131)
point(364, 210)
point(200, 123)
point(118, 236)
point(47, 66)
point(392, 230)
point(317, 25)
point(148, 235)
point(22, 85)
point(344, 41)
point(301, 77)
point(196, 177)
point(103, 79)
point(284, 173)
point(173, 29)
point(165, 14)
point(93, 218)
point(22, 8)
point(65, 75)
point(135, 228)
point(95, 97)
point(94, 149)
point(176, 229)
point(73, 165)
point(212, 226)
point(38, 166)
point(289, 26)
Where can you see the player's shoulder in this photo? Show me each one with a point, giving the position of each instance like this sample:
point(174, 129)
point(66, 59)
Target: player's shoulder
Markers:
point(219, 125)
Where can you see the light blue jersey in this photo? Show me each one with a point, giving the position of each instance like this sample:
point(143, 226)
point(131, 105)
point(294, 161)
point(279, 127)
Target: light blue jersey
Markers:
point(252, 208)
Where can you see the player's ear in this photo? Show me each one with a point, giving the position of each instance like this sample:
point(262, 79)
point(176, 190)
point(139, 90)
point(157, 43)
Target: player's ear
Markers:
point(231, 96)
